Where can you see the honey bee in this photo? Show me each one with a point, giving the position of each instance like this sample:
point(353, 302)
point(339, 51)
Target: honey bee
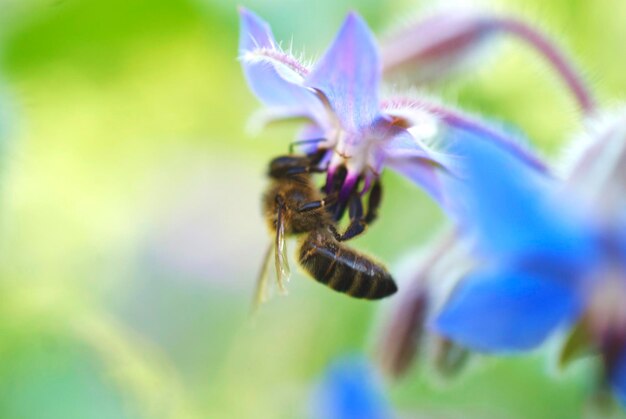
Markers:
point(293, 205)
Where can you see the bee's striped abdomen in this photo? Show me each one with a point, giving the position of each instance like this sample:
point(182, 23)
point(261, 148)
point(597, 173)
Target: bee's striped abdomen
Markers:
point(343, 269)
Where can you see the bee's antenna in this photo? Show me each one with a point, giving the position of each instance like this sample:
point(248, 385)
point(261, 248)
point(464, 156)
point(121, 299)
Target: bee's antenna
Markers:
point(308, 141)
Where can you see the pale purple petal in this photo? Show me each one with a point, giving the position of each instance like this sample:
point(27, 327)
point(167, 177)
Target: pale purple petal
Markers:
point(274, 76)
point(506, 311)
point(349, 73)
point(422, 173)
point(407, 156)
point(254, 32)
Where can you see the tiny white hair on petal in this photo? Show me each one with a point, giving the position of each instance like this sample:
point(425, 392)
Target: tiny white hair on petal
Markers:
point(398, 97)
point(299, 55)
point(289, 67)
point(259, 46)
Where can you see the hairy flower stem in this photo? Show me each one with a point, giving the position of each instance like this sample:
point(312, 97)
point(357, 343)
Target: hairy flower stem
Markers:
point(450, 37)
point(555, 58)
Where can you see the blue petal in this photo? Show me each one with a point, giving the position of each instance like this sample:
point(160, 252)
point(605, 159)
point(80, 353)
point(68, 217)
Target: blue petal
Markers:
point(618, 379)
point(349, 73)
point(274, 83)
point(510, 208)
point(349, 390)
point(506, 311)
point(622, 239)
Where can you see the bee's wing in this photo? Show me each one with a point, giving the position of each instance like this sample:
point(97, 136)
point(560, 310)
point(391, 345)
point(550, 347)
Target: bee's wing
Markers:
point(279, 247)
point(280, 254)
point(261, 292)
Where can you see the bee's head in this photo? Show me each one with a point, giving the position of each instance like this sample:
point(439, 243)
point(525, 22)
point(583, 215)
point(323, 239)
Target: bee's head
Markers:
point(286, 166)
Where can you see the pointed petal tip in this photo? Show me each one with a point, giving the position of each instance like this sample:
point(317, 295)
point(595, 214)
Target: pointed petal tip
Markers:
point(246, 13)
point(250, 17)
point(355, 22)
point(349, 74)
point(353, 16)
point(254, 31)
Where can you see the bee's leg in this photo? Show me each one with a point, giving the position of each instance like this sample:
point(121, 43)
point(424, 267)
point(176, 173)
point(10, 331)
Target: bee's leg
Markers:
point(358, 222)
point(334, 232)
point(333, 186)
point(322, 203)
point(373, 203)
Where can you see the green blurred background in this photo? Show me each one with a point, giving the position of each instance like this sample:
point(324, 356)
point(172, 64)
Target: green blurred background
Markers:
point(130, 225)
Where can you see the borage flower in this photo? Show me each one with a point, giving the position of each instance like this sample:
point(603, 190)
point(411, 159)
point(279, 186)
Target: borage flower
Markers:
point(551, 256)
point(339, 96)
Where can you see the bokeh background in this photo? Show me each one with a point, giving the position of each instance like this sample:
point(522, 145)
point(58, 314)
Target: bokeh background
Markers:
point(130, 228)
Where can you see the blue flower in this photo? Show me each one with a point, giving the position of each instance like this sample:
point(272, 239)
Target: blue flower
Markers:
point(550, 254)
point(339, 96)
point(350, 389)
